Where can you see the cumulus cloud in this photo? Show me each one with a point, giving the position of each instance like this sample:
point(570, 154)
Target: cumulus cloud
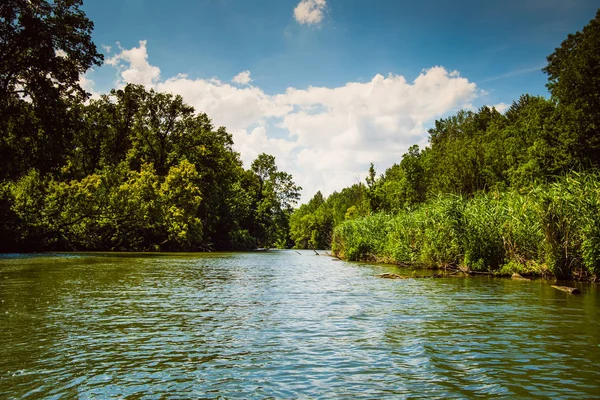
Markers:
point(310, 11)
point(501, 107)
point(139, 70)
point(89, 86)
point(343, 129)
point(326, 137)
point(243, 78)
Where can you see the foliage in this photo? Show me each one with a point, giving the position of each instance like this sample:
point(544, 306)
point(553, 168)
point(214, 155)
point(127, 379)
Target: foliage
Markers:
point(44, 46)
point(277, 194)
point(574, 80)
point(311, 225)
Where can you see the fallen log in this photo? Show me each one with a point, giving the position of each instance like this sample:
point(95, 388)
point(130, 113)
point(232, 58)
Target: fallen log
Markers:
point(567, 289)
point(391, 276)
point(469, 271)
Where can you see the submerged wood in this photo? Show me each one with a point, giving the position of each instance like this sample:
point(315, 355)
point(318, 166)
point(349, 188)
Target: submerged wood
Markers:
point(396, 276)
point(567, 289)
point(469, 271)
point(391, 276)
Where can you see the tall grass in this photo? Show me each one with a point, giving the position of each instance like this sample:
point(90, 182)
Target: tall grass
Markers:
point(552, 229)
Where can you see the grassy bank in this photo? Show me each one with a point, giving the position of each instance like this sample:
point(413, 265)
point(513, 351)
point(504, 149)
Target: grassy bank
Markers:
point(548, 230)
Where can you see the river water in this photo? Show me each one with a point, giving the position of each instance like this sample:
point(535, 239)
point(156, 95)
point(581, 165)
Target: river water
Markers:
point(284, 325)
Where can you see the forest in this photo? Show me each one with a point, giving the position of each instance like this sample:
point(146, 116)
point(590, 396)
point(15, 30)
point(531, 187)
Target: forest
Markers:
point(140, 170)
point(134, 170)
point(498, 192)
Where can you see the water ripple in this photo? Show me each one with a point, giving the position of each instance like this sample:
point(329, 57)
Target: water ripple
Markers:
point(283, 325)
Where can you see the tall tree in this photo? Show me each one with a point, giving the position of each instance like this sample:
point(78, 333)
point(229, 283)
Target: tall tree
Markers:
point(277, 196)
point(44, 48)
point(574, 80)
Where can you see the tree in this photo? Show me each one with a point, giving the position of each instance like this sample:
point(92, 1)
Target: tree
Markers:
point(44, 48)
point(311, 224)
point(574, 81)
point(403, 185)
point(181, 197)
point(276, 196)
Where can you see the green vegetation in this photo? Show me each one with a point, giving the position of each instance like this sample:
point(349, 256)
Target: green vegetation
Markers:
point(552, 229)
point(133, 170)
point(512, 192)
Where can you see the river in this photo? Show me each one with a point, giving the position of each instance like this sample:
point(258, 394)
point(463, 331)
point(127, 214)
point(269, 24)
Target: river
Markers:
point(280, 324)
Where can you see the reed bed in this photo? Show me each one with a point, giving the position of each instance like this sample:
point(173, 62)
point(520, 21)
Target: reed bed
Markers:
point(549, 229)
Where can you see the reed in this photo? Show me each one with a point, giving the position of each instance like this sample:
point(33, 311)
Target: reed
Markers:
point(549, 230)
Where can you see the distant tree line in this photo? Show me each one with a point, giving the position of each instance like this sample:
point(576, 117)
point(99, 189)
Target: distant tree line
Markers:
point(133, 170)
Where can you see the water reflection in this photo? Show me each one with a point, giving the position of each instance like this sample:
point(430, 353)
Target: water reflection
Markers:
point(283, 325)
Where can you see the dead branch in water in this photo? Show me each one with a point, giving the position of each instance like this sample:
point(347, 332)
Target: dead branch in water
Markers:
point(567, 289)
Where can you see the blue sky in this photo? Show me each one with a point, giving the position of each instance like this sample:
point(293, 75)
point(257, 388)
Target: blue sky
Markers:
point(330, 84)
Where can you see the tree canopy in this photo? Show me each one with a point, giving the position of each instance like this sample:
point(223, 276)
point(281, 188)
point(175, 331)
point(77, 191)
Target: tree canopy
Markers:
point(574, 80)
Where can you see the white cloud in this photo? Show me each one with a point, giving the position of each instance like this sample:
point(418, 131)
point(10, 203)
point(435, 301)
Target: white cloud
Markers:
point(252, 143)
point(139, 70)
point(106, 48)
point(243, 78)
point(310, 11)
point(501, 107)
point(325, 137)
point(227, 105)
point(89, 86)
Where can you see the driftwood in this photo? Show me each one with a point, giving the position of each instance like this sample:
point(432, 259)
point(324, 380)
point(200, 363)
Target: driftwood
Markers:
point(432, 276)
point(391, 276)
point(469, 271)
point(567, 289)
point(518, 277)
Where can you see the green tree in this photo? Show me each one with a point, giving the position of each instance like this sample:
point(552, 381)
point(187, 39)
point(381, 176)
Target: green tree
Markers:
point(404, 185)
point(574, 81)
point(276, 196)
point(311, 224)
point(181, 197)
point(44, 48)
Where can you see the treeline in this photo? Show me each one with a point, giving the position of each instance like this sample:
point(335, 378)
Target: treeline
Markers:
point(133, 170)
point(490, 189)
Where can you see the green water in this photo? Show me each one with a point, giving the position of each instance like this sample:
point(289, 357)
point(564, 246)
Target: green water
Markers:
point(284, 325)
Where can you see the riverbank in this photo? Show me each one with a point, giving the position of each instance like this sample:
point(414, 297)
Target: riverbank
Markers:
point(548, 231)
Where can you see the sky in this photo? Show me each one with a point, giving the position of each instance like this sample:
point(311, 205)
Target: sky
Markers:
point(330, 86)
